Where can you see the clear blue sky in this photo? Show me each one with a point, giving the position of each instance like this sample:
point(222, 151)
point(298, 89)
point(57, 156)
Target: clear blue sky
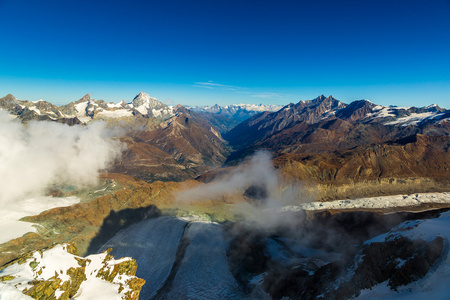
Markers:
point(215, 51)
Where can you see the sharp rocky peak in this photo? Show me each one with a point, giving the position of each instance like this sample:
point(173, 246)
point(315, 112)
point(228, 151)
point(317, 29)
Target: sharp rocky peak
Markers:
point(322, 102)
point(85, 98)
point(143, 99)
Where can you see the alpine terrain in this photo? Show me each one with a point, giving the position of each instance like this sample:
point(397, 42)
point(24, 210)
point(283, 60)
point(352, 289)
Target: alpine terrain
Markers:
point(318, 199)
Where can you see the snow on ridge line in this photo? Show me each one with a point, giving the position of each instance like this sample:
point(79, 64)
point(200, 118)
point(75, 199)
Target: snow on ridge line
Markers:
point(414, 118)
point(375, 202)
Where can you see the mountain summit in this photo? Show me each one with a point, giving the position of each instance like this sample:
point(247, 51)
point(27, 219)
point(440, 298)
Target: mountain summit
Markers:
point(144, 100)
point(147, 105)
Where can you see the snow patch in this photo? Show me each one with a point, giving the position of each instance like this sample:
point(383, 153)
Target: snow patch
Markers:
point(414, 118)
point(81, 108)
point(35, 110)
point(118, 113)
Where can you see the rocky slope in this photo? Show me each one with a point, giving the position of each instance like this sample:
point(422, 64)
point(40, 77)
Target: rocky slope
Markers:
point(96, 220)
point(355, 150)
point(344, 151)
point(400, 161)
point(179, 148)
point(254, 259)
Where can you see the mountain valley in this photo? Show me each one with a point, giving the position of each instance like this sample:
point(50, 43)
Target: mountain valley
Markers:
point(215, 194)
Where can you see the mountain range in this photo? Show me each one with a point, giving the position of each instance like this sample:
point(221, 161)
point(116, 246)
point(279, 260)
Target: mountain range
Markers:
point(326, 124)
point(177, 142)
point(321, 149)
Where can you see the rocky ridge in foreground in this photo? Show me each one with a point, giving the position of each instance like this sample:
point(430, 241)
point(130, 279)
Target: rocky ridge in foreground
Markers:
point(58, 273)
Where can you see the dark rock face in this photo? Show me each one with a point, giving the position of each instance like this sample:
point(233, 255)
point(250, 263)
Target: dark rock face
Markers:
point(400, 262)
point(397, 259)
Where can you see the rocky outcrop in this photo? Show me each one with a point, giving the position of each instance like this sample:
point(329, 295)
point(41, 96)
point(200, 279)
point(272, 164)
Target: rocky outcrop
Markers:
point(398, 258)
point(58, 273)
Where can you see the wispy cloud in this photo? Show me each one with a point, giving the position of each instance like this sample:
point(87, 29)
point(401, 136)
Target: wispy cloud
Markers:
point(214, 85)
point(266, 95)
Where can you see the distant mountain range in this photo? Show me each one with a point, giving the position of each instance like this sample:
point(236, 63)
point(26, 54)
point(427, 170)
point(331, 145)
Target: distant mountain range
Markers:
point(226, 117)
point(326, 124)
point(176, 142)
point(85, 109)
point(310, 111)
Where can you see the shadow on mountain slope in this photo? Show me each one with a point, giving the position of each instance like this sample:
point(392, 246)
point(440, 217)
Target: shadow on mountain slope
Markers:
point(117, 221)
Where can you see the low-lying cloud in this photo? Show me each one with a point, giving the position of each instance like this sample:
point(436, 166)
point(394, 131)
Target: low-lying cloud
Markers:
point(257, 179)
point(40, 154)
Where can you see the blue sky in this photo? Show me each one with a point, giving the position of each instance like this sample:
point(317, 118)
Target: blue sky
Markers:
point(206, 52)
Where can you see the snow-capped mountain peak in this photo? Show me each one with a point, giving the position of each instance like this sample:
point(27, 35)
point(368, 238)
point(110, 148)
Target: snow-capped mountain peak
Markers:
point(145, 104)
point(143, 99)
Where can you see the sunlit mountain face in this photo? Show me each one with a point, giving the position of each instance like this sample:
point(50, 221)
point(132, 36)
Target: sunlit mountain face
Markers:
point(318, 198)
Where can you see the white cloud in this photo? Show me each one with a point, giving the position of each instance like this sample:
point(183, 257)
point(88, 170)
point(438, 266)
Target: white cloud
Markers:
point(260, 173)
point(212, 85)
point(241, 90)
point(39, 154)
